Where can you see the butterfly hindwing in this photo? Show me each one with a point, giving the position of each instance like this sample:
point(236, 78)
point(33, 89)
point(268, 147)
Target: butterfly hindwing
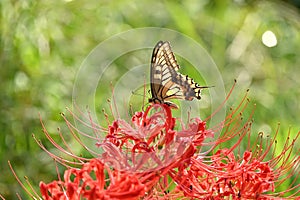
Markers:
point(166, 82)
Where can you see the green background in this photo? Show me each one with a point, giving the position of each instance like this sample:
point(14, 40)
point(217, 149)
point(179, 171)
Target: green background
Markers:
point(43, 44)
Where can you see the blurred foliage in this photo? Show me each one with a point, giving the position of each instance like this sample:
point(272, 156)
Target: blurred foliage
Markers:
point(43, 44)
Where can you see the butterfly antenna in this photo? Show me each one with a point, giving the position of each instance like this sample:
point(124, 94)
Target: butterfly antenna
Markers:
point(134, 93)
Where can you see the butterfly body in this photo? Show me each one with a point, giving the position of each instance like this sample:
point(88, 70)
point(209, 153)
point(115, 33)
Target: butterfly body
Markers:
point(166, 82)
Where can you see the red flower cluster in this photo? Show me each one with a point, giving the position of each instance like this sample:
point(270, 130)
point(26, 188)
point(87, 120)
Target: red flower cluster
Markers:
point(156, 156)
point(150, 159)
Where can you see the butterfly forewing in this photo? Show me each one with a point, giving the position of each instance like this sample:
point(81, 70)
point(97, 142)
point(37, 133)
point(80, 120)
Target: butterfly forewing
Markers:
point(163, 55)
point(166, 82)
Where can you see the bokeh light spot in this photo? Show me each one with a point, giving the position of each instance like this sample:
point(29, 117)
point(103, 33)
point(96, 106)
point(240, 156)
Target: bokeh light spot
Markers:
point(269, 39)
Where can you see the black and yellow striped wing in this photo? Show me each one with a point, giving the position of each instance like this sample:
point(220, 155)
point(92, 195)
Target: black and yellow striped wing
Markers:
point(166, 82)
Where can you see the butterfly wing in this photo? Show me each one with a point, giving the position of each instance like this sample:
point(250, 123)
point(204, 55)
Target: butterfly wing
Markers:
point(189, 87)
point(163, 66)
point(166, 82)
point(163, 54)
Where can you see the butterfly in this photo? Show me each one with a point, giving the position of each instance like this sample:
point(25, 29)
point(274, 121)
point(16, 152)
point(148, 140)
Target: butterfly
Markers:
point(165, 80)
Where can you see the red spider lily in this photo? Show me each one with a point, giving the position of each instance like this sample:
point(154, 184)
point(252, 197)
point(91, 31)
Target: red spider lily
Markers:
point(152, 157)
point(226, 176)
point(151, 143)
